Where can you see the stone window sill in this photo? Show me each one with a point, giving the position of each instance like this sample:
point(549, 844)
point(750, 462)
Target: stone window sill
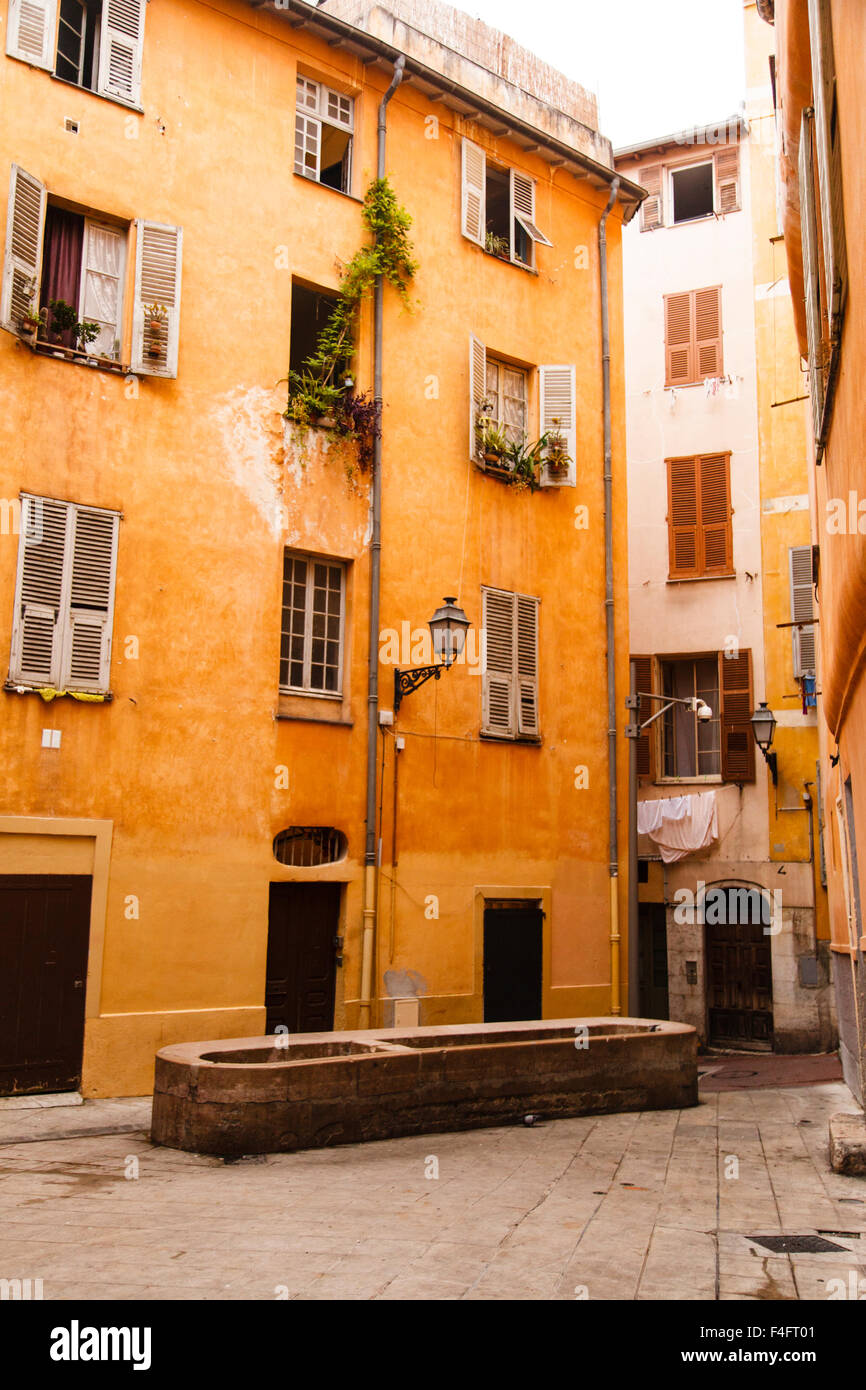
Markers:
point(315, 709)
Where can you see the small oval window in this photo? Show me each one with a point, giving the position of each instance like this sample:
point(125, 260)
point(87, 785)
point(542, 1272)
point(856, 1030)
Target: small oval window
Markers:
point(306, 846)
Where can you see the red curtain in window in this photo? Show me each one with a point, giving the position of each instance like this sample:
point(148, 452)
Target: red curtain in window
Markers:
point(61, 263)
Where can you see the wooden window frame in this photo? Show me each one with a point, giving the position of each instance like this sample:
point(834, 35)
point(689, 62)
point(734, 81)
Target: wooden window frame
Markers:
point(699, 570)
point(671, 171)
point(712, 778)
point(320, 115)
point(307, 690)
point(521, 203)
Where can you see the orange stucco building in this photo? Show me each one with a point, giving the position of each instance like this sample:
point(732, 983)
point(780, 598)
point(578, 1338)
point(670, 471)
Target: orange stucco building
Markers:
point(185, 575)
point(819, 46)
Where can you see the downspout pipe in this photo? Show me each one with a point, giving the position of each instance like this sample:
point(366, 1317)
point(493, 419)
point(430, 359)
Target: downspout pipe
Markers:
point(369, 919)
point(613, 842)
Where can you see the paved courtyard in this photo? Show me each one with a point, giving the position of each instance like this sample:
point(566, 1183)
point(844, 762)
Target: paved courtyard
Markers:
point(662, 1205)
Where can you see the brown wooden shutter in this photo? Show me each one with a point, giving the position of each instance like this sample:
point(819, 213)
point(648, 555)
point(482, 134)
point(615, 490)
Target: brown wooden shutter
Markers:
point(678, 340)
point(645, 759)
point(727, 163)
point(735, 695)
point(715, 555)
point(708, 332)
point(829, 155)
point(651, 207)
point(683, 541)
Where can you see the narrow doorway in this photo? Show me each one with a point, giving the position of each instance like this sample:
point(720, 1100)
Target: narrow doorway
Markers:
point(303, 926)
point(44, 939)
point(739, 969)
point(653, 961)
point(513, 953)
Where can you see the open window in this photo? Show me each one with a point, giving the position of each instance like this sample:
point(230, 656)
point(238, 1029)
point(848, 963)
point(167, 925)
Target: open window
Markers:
point(692, 192)
point(96, 44)
point(690, 746)
point(75, 261)
point(324, 130)
point(500, 414)
point(311, 310)
point(498, 208)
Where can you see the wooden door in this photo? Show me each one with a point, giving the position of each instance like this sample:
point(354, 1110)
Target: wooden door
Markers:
point(513, 943)
point(653, 961)
point(44, 936)
point(739, 983)
point(303, 924)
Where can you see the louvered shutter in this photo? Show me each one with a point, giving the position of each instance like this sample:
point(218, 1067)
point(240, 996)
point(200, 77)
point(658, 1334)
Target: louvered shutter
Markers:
point(683, 546)
point(527, 664)
point(651, 207)
point(473, 193)
point(802, 609)
point(707, 358)
point(738, 743)
point(120, 49)
point(557, 392)
point(727, 162)
point(809, 236)
point(87, 648)
point(645, 675)
point(829, 159)
point(477, 387)
point(716, 540)
point(498, 678)
point(678, 340)
point(523, 207)
point(157, 281)
point(37, 631)
point(30, 32)
point(23, 261)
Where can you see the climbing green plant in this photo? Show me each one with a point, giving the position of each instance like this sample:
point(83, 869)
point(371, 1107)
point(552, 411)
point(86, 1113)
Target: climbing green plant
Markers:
point(320, 388)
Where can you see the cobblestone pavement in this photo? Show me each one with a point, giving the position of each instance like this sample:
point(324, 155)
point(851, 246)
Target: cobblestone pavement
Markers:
point(659, 1205)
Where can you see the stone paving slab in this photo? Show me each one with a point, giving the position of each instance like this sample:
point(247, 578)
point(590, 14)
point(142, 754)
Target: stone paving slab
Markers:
point(658, 1206)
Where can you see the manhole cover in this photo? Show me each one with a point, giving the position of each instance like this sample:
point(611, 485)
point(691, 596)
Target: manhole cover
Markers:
point(797, 1245)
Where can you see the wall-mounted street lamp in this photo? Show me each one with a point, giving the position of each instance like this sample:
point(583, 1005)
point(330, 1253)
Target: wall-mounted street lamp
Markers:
point(763, 727)
point(448, 628)
point(633, 732)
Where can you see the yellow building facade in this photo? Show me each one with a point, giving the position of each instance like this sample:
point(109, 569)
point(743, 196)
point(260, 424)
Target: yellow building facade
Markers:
point(185, 574)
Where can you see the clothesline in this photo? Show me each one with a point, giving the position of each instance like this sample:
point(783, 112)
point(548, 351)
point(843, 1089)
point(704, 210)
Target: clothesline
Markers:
point(679, 825)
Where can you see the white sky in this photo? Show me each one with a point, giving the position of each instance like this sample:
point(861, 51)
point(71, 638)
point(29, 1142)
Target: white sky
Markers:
point(657, 66)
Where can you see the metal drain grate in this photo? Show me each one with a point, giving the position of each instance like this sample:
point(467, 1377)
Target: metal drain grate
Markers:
point(798, 1245)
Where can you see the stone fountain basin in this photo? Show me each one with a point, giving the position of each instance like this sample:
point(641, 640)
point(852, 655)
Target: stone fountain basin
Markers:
point(309, 1090)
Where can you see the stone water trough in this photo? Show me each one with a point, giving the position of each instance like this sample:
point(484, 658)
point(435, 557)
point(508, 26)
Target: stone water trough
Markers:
point(277, 1094)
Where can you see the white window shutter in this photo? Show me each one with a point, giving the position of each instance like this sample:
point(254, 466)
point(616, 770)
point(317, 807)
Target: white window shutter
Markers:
point(473, 193)
point(651, 207)
point(527, 664)
point(36, 629)
point(829, 160)
point(87, 639)
point(157, 281)
point(120, 49)
point(477, 387)
point(809, 237)
point(31, 27)
point(23, 261)
point(523, 207)
point(557, 391)
point(498, 678)
point(802, 609)
point(727, 164)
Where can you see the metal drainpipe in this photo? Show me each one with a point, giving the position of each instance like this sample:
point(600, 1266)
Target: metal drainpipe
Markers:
point(369, 932)
point(613, 866)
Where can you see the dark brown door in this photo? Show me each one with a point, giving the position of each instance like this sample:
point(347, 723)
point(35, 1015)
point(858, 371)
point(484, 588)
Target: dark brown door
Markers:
point(44, 933)
point(513, 937)
point(303, 924)
point(739, 980)
point(653, 960)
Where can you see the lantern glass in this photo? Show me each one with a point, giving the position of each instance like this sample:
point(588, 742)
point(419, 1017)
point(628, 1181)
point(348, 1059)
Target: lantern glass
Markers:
point(763, 726)
point(448, 628)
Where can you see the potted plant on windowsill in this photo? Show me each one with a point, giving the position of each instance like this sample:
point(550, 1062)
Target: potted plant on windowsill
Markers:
point(64, 319)
point(155, 329)
point(86, 333)
point(556, 456)
point(497, 246)
point(524, 461)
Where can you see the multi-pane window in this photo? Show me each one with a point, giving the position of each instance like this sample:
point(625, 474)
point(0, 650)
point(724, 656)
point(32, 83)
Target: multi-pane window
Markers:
point(95, 44)
point(691, 746)
point(324, 126)
point(311, 647)
point(507, 389)
point(498, 208)
point(64, 596)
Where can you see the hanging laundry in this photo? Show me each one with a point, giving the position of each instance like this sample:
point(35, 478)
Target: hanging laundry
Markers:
point(679, 825)
point(810, 699)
